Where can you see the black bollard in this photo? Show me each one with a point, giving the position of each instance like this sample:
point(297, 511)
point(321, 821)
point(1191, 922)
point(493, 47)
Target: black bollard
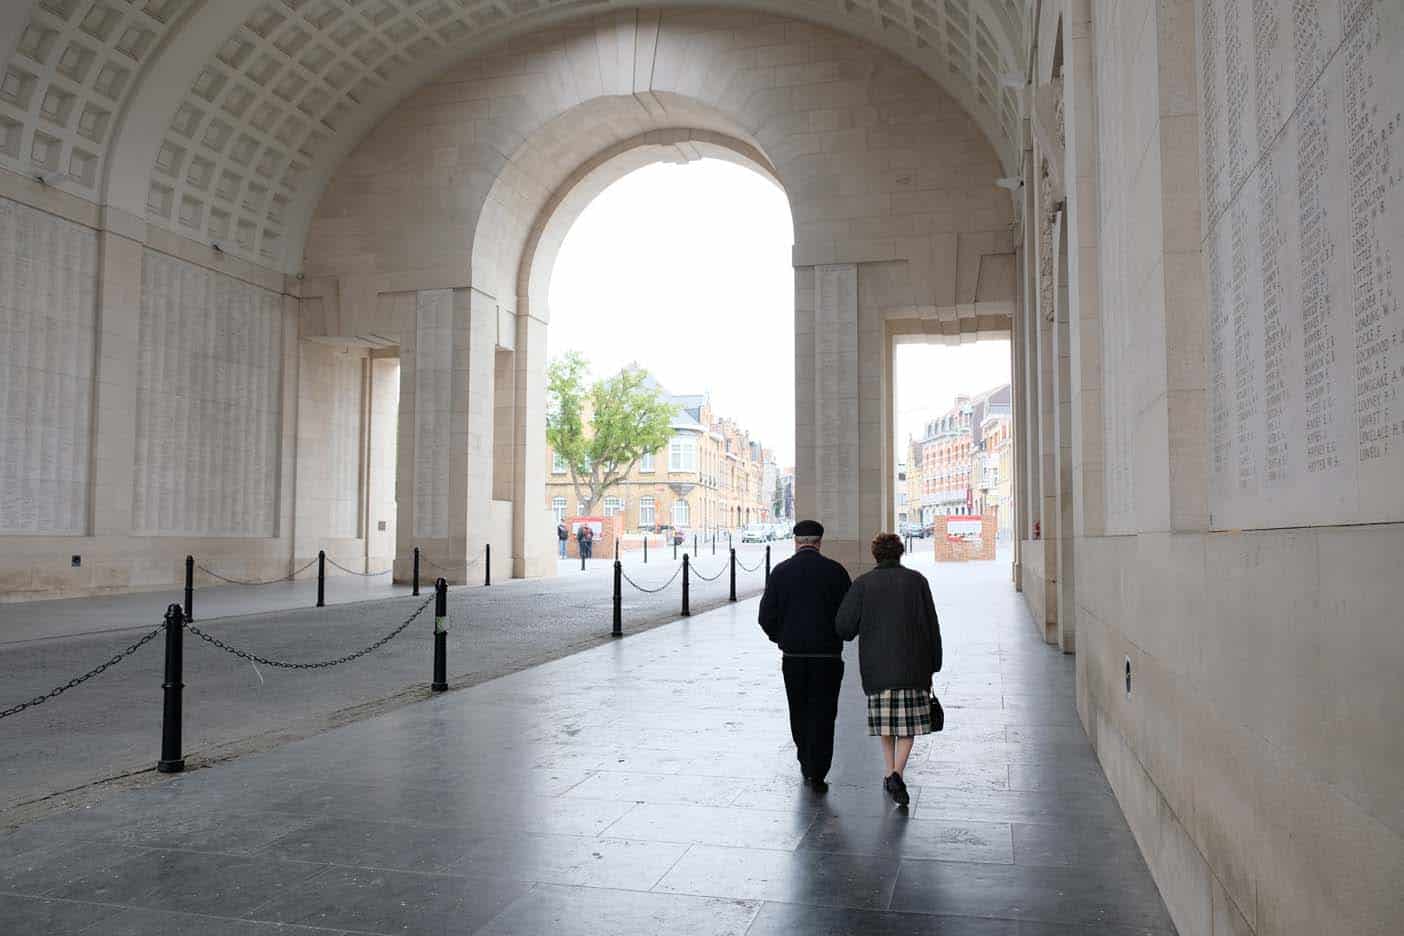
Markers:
point(581, 548)
point(645, 549)
point(616, 550)
point(618, 600)
point(171, 760)
point(767, 563)
point(440, 682)
point(733, 574)
point(675, 549)
point(416, 570)
point(321, 578)
point(694, 544)
point(190, 588)
point(487, 565)
point(714, 542)
point(685, 610)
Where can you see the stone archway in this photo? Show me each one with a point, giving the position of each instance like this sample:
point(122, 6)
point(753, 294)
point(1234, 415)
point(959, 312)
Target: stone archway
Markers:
point(439, 229)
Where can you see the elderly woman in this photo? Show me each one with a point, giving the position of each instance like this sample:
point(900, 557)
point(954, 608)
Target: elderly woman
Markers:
point(891, 607)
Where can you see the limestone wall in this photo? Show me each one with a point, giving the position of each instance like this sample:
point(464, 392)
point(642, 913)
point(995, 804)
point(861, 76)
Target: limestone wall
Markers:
point(209, 403)
point(151, 405)
point(1248, 208)
point(48, 323)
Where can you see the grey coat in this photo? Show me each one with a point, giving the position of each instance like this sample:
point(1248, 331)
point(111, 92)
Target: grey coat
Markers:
point(891, 607)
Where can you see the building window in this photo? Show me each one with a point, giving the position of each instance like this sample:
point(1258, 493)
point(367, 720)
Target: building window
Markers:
point(682, 454)
point(612, 506)
point(646, 512)
point(558, 508)
point(581, 508)
point(646, 462)
point(680, 517)
point(558, 465)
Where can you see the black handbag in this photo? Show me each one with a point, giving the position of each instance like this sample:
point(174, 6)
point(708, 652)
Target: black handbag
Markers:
point(938, 714)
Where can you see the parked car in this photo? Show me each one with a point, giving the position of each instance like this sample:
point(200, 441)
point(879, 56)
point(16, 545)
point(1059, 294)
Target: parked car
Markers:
point(757, 534)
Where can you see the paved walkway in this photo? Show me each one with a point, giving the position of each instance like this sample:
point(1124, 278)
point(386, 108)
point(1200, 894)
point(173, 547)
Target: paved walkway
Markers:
point(644, 786)
point(111, 725)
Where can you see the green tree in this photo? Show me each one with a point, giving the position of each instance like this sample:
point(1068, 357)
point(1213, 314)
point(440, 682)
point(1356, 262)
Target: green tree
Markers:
point(602, 430)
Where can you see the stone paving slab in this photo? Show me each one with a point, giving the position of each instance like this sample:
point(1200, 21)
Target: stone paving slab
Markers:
point(111, 725)
point(639, 787)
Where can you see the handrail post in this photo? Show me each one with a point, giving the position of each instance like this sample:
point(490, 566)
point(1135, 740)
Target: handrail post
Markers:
point(686, 612)
point(487, 565)
point(440, 682)
point(190, 588)
point(416, 571)
point(618, 600)
point(733, 573)
point(171, 760)
point(321, 578)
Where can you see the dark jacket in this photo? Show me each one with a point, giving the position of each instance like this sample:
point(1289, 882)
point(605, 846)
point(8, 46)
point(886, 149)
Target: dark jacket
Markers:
point(800, 601)
point(901, 647)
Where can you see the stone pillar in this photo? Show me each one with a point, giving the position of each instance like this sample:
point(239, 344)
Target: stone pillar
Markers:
point(1061, 332)
point(444, 472)
point(834, 371)
point(533, 533)
point(804, 490)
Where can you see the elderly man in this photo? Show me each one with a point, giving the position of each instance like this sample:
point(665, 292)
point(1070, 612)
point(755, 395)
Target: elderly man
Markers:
point(797, 612)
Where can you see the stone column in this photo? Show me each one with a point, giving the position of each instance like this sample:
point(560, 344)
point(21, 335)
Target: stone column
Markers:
point(444, 474)
point(834, 371)
point(804, 492)
point(533, 533)
point(1060, 332)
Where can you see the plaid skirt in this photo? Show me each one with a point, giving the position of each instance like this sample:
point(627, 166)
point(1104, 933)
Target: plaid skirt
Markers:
point(901, 713)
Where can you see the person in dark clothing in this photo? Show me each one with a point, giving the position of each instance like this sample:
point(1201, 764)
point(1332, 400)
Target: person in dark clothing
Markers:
point(901, 648)
point(562, 535)
point(797, 612)
point(589, 532)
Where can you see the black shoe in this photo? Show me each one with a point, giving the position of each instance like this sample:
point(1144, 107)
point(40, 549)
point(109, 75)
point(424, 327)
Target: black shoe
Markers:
point(897, 789)
point(817, 785)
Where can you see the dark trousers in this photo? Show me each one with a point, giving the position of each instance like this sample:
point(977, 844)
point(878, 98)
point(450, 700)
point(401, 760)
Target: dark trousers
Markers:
point(812, 686)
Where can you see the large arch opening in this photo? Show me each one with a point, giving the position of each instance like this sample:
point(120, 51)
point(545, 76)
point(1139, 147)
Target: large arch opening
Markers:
point(682, 269)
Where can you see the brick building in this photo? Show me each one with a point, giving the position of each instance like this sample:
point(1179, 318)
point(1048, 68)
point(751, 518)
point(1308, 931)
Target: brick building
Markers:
point(711, 476)
point(963, 461)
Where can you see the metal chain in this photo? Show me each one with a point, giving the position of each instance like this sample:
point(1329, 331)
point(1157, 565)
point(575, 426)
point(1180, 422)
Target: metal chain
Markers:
point(424, 558)
point(232, 581)
point(362, 574)
point(652, 591)
point(40, 700)
point(322, 664)
point(705, 578)
point(753, 568)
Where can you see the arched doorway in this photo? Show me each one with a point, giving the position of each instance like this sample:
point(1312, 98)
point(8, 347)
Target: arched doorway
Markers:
point(897, 219)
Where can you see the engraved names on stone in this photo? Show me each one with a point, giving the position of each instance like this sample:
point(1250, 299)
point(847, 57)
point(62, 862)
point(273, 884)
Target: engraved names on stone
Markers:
point(1304, 214)
point(209, 403)
point(48, 287)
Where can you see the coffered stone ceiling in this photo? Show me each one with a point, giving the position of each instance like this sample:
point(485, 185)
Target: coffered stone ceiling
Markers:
point(222, 119)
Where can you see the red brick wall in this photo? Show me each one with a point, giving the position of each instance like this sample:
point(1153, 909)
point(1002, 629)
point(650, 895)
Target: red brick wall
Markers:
point(948, 549)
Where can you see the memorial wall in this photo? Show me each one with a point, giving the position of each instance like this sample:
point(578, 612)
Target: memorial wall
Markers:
point(1303, 209)
point(48, 307)
point(209, 403)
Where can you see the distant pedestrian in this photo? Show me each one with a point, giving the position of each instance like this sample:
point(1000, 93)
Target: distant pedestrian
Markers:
point(891, 607)
point(589, 541)
point(797, 612)
point(563, 536)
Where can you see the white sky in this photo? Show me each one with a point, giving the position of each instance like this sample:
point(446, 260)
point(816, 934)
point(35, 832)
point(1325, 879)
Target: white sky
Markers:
point(686, 270)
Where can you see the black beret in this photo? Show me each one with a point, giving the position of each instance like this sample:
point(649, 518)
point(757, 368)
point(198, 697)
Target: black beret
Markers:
point(809, 528)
